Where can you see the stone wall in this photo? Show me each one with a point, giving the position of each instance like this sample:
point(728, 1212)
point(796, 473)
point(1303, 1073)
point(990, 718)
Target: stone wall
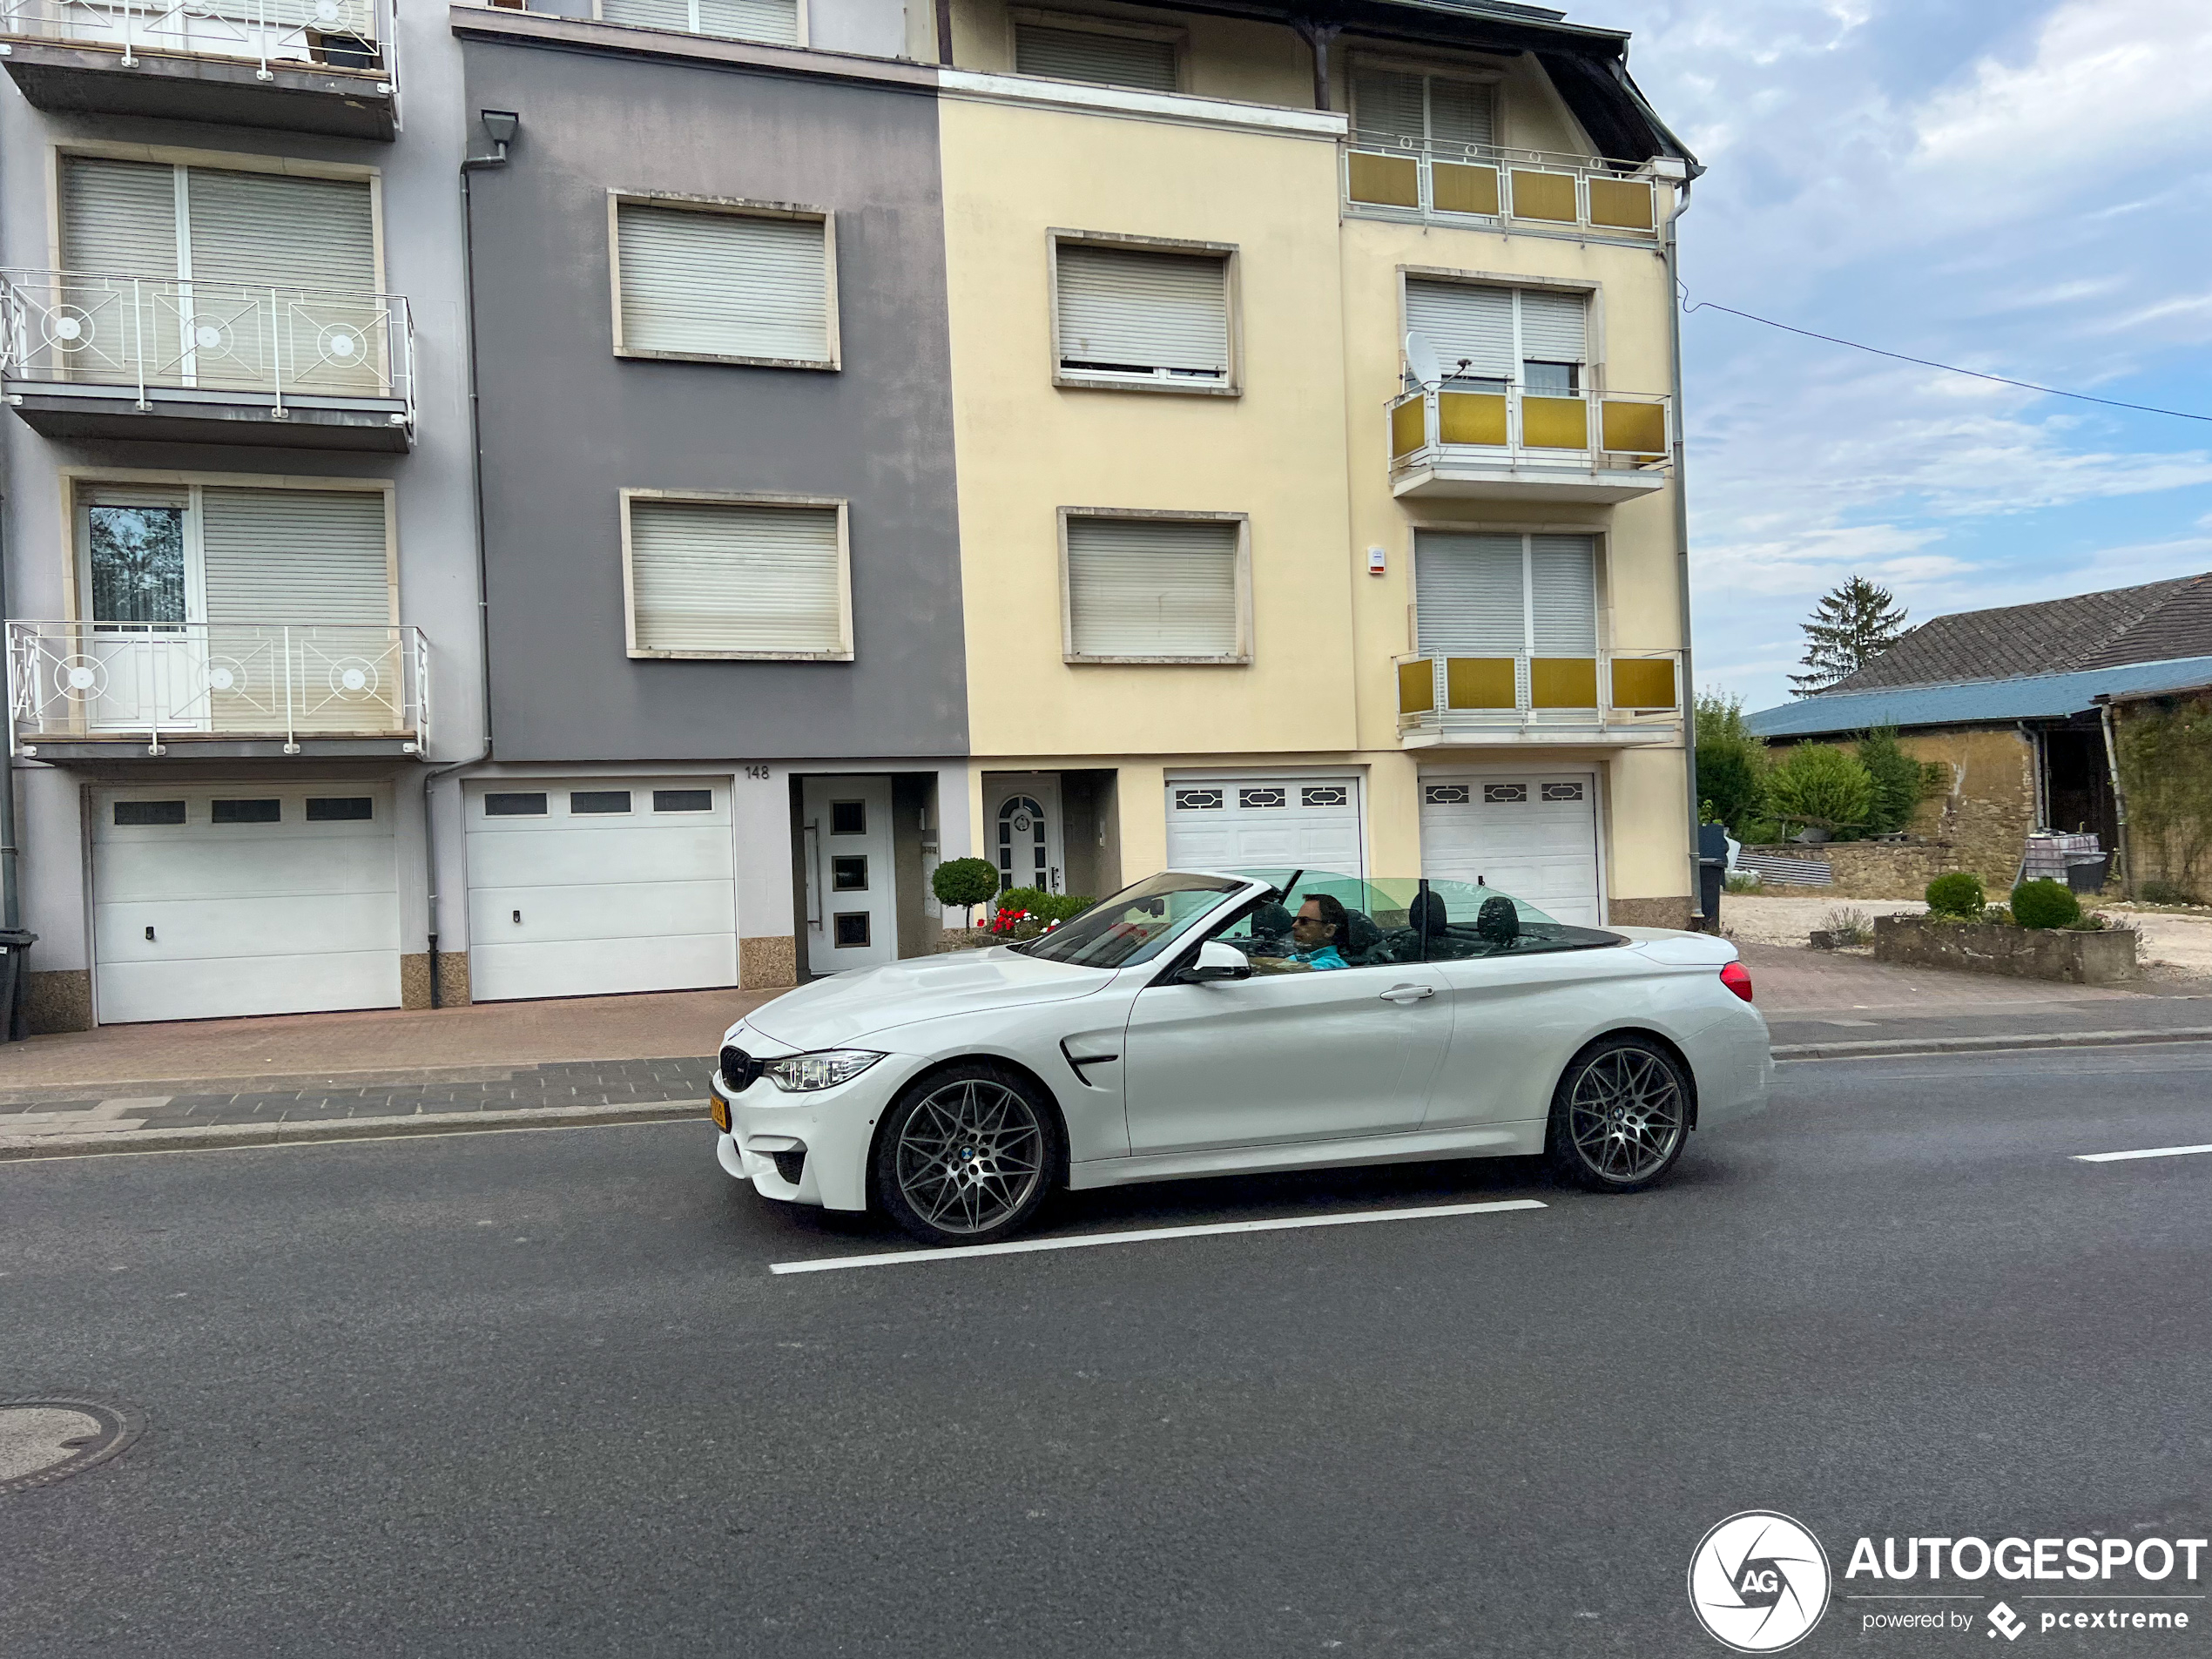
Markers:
point(1989, 812)
point(1869, 869)
point(2073, 958)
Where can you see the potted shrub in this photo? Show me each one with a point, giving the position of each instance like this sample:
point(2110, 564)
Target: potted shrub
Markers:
point(2043, 935)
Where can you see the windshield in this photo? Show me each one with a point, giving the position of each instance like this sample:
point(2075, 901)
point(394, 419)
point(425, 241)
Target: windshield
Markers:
point(1136, 925)
point(1400, 919)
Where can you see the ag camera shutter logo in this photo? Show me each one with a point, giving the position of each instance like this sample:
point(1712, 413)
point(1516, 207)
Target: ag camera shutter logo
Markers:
point(1758, 1581)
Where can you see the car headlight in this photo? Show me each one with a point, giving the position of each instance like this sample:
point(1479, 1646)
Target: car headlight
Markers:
point(824, 1070)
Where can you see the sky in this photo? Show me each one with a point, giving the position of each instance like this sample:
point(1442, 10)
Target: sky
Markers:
point(2019, 189)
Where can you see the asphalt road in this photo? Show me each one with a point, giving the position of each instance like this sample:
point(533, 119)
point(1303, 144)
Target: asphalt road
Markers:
point(538, 1394)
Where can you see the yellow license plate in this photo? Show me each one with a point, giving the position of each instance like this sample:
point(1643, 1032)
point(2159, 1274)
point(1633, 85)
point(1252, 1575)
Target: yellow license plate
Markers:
point(718, 1110)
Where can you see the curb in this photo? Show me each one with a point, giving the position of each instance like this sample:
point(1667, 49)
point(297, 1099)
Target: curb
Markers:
point(217, 1136)
point(1977, 1045)
point(274, 1082)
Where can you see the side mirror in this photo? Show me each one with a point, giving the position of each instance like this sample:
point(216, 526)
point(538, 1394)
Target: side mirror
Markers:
point(1217, 962)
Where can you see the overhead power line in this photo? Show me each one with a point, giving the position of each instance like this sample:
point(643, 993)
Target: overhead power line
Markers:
point(1950, 368)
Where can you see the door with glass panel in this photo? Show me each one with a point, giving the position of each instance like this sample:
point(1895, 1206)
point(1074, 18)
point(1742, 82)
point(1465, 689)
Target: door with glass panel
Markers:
point(1023, 811)
point(852, 891)
point(138, 662)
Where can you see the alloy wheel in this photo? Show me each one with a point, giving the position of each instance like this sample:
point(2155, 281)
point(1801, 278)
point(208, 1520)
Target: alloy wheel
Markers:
point(970, 1154)
point(1625, 1115)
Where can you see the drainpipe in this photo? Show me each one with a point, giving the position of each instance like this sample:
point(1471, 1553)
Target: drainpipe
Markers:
point(1317, 36)
point(1681, 549)
point(2119, 800)
point(501, 127)
point(945, 32)
point(10, 896)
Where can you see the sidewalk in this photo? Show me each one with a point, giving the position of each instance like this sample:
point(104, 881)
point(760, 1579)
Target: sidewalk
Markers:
point(308, 1076)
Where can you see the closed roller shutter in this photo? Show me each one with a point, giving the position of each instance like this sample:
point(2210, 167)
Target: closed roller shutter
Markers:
point(723, 284)
point(732, 578)
point(1103, 60)
point(119, 218)
point(1465, 323)
point(296, 556)
point(1468, 595)
point(1391, 106)
point(1553, 326)
point(270, 230)
point(1458, 111)
point(1130, 311)
point(1152, 587)
point(776, 21)
point(1562, 594)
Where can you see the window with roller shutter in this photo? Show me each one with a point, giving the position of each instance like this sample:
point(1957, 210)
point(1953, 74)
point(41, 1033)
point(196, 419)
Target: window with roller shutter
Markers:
point(773, 21)
point(1409, 109)
point(1493, 595)
point(737, 578)
point(1156, 589)
point(1142, 317)
point(1145, 63)
point(723, 287)
point(1490, 335)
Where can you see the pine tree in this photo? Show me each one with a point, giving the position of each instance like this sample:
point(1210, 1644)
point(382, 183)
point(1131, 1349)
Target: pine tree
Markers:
point(1851, 625)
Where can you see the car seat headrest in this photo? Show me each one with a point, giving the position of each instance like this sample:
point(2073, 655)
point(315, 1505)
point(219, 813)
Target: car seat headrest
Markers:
point(1361, 933)
point(1426, 916)
point(1270, 919)
point(1498, 921)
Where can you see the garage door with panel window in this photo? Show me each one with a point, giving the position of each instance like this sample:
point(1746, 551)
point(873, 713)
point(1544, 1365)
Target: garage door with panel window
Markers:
point(246, 279)
point(1266, 824)
point(592, 886)
point(1532, 834)
point(226, 900)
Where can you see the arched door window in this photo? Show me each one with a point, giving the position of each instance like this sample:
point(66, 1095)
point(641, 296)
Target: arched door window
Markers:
point(1021, 844)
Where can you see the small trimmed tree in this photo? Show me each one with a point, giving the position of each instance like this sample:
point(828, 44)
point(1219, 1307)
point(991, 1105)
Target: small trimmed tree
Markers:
point(1816, 784)
point(1957, 894)
point(964, 883)
point(2045, 903)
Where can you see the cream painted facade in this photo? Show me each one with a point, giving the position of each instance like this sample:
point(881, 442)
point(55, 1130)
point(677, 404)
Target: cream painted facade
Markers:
point(1302, 446)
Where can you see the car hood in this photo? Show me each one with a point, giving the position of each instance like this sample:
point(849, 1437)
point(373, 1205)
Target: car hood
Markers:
point(845, 1007)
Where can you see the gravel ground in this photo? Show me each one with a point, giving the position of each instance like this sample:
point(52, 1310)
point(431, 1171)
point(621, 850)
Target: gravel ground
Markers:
point(2179, 941)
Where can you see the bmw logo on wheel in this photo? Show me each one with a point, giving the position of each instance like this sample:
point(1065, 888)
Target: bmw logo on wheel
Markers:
point(1758, 1581)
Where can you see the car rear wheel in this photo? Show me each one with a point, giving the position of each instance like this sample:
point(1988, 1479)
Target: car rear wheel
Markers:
point(1620, 1115)
point(967, 1155)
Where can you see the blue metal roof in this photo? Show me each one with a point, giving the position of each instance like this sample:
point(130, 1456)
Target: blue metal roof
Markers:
point(2030, 697)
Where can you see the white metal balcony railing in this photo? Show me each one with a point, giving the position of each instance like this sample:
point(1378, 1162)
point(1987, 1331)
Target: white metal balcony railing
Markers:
point(343, 36)
point(90, 680)
point(1519, 427)
point(1461, 182)
point(240, 340)
point(1608, 690)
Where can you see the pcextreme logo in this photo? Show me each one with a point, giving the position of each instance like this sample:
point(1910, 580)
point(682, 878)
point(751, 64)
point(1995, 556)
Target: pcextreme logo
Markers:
point(1758, 1581)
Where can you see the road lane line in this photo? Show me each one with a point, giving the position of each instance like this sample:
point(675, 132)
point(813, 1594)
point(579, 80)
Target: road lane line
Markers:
point(831, 1264)
point(2147, 1152)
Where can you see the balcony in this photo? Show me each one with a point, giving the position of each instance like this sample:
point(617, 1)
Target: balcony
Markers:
point(1617, 698)
point(301, 66)
point(85, 356)
point(1487, 188)
point(89, 690)
point(1514, 445)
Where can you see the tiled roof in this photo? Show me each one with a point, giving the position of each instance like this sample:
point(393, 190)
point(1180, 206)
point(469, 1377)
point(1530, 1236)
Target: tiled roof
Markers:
point(2155, 623)
point(2024, 697)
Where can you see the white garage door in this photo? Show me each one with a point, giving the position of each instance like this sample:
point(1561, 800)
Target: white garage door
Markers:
point(1265, 824)
point(590, 885)
point(1533, 835)
point(232, 899)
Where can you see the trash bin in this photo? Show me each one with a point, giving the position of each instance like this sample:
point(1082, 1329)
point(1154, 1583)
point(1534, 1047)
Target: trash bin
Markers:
point(14, 943)
point(1712, 871)
point(2087, 875)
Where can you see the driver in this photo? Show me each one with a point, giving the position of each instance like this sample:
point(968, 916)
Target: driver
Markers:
point(1320, 934)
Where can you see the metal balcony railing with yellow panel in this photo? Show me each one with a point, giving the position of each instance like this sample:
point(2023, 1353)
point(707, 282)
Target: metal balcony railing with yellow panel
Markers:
point(1487, 187)
point(1517, 445)
point(1617, 697)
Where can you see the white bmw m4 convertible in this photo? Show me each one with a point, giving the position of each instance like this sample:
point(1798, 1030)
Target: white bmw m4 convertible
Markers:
point(1202, 1023)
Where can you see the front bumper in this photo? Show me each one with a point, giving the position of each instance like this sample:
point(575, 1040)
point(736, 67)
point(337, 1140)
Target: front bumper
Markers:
point(835, 1126)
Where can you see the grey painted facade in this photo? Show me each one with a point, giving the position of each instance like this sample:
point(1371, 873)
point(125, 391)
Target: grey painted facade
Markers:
point(567, 425)
point(419, 231)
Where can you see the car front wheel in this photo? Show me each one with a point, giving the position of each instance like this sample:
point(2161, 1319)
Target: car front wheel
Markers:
point(967, 1155)
point(1620, 1115)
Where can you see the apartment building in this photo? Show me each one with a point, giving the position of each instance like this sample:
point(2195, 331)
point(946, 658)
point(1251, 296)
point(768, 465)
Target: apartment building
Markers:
point(240, 554)
point(1090, 437)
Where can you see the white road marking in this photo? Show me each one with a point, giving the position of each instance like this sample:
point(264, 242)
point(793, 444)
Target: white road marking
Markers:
point(831, 1264)
point(2147, 1152)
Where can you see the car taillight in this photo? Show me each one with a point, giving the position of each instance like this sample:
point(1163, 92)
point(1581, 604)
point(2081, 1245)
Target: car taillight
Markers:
point(1737, 978)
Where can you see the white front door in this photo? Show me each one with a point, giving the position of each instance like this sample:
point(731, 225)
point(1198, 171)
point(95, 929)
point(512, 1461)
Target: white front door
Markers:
point(852, 896)
point(1266, 824)
point(585, 887)
point(246, 897)
point(1023, 811)
point(1531, 834)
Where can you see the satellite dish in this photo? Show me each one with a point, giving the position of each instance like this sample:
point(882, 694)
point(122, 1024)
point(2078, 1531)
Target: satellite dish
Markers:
point(1420, 357)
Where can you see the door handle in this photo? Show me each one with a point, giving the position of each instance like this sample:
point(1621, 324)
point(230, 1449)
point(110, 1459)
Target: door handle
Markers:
point(1408, 993)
